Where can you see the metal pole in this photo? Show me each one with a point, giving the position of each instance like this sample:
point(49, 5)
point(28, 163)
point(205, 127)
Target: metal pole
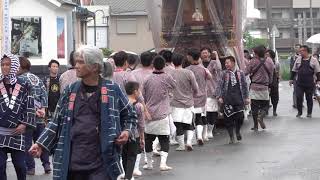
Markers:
point(312, 25)
point(300, 28)
point(95, 30)
point(274, 40)
point(305, 34)
point(292, 26)
point(269, 21)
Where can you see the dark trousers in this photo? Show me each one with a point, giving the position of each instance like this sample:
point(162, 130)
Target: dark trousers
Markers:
point(257, 106)
point(294, 95)
point(182, 128)
point(97, 174)
point(308, 91)
point(33, 135)
point(274, 95)
point(163, 140)
point(18, 160)
point(129, 156)
point(234, 122)
point(212, 117)
point(200, 120)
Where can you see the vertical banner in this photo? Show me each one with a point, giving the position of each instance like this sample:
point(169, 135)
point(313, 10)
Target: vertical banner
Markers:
point(60, 38)
point(6, 37)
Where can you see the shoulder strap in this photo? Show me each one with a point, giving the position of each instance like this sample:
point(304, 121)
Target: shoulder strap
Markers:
point(257, 69)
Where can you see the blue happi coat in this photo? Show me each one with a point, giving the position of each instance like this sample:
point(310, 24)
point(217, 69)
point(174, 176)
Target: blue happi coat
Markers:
point(116, 115)
point(22, 111)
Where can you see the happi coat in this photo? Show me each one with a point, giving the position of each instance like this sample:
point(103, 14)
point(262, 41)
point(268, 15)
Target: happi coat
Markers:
point(116, 115)
point(19, 109)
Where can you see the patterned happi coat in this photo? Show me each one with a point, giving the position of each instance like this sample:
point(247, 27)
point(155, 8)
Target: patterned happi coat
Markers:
point(17, 110)
point(116, 115)
point(37, 90)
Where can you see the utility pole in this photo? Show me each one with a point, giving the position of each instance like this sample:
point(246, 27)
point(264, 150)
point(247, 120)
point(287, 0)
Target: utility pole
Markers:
point(269, 19)
point(292, 26)
point(300, 28)
point(312, 25)
point(305, 34)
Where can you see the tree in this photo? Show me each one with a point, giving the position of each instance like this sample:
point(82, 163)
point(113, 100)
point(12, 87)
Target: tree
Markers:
point(106, 52)
point(251, 42)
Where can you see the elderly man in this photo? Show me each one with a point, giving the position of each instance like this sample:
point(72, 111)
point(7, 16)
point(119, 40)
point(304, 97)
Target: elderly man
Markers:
point(92, 120)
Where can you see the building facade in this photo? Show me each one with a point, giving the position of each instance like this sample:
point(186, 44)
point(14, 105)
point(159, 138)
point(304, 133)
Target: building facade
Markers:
point(129, 26)
point(293, 19)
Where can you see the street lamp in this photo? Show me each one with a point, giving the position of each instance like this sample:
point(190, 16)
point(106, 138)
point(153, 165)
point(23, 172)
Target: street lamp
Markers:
point(105, 20)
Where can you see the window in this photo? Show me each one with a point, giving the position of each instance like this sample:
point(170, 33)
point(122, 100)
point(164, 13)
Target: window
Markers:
point(276, 15)
point(127, 26)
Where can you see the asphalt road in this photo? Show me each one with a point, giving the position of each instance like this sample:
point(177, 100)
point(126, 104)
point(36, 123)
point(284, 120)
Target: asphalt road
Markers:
point(288, 149)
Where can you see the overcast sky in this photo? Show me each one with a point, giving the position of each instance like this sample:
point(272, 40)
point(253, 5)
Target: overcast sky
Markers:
point(251, 12)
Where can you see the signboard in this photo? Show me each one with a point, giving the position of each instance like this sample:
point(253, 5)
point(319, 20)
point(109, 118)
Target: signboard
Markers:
point(275, 31)
point(6, 37)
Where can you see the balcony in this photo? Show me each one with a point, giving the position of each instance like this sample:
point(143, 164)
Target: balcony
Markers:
point(283, 23)
point(275, 4)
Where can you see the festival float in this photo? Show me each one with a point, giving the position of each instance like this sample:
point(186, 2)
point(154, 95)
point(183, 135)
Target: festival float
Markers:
point(182, 24)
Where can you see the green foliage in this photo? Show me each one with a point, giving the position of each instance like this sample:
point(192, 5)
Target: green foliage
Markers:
point(106, 52)
point(252, 42)
point(285, 71)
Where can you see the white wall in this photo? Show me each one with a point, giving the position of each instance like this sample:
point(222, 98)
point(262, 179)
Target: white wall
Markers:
point(305, 3)
point(101, 36)
point(286, 13)
point(48, 13)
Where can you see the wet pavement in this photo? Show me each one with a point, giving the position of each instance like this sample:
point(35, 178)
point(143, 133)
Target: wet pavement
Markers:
point(289, 149)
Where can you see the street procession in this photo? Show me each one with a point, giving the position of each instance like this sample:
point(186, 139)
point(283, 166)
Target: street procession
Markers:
point(159, 89)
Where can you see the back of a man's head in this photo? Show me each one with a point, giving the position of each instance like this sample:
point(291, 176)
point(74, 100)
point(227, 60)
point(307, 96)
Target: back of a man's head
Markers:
point(259, 51)
point(120, 58)
point(146, 59)
point(159, 63)
point(25, 64)
point(167, 55)
point(194, 53)
point(177, 59)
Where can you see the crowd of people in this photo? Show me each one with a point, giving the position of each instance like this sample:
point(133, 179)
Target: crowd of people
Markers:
point(100, 118)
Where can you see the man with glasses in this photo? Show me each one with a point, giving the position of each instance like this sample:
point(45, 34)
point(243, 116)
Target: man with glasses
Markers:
point(306, 68)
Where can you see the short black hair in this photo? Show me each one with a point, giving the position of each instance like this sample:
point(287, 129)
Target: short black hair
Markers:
point(167, 55)
point(146, 59)
point(71, 59)
point(159, 62)
point(272, 54)
point(24, 63)
point(53, 61)
point(260, 51)
point(306, 47)
point(194, 53)
point(131, 86)
point(120, 58)
point(132, 59)
point(205, 48)
point(231, 58)
point(246, 51)
point(177, 59)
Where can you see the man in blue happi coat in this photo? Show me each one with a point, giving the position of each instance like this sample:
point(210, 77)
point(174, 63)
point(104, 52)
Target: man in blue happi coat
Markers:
point(92, 120)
